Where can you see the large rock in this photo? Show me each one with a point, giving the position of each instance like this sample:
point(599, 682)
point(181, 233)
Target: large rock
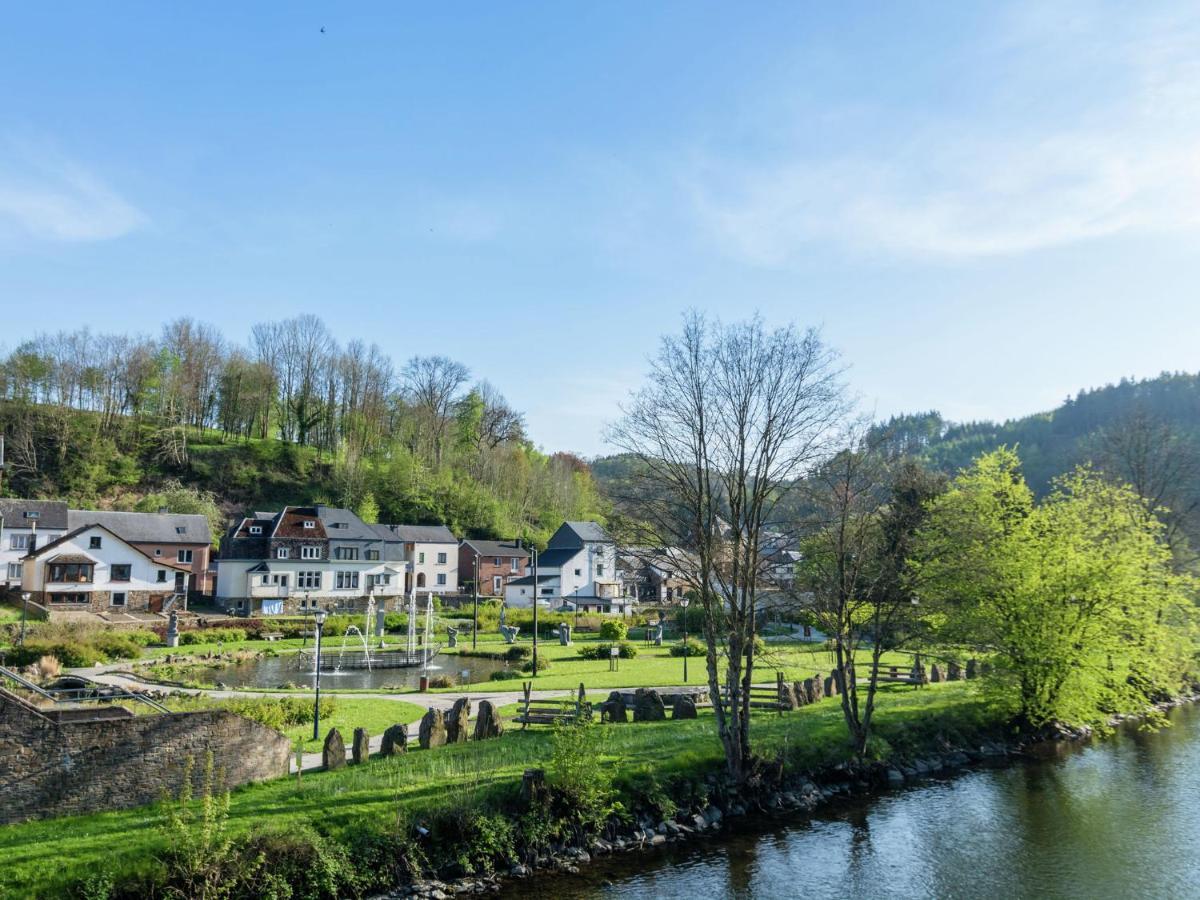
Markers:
point(953, 671)
point(613, 709)
point(972, 668)
point(684, 708)
point(487, 722)
point(458, 722)
point(333, 754)
point(432, 732)
point(648, 706)
point(395, 740)
point(361, 748)
point(935, 674)
point(787, 696)
point(800, 693)
point(830, 687)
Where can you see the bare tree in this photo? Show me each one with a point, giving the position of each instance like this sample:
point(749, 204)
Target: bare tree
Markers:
point(1162, 465)
point(501, 423)
point(729, 418)
point(432, 384)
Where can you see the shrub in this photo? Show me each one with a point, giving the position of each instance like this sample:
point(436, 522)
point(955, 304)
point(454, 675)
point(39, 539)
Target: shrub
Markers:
point(212, 636)
point(502, 675)
point(72, 654)
point(543, 665)
point(691, 647)
point(614, 630)
point(517, 652)
point(625, 650)
point(116, 645)
point(441, 681)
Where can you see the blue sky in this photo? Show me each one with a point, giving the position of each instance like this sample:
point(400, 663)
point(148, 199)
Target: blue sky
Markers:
point(986, 208)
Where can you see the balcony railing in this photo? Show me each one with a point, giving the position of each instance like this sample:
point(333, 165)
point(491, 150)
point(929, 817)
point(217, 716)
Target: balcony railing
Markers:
point(269, 590)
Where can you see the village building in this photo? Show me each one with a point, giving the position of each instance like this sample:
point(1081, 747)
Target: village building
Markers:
point(24, 524)
point(577, 570)
point(495, 563)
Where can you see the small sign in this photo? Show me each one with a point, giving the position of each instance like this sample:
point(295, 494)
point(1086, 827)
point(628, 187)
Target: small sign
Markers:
point(614, 652)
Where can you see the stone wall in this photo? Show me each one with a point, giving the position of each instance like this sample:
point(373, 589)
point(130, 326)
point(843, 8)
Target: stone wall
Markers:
point(90, 762)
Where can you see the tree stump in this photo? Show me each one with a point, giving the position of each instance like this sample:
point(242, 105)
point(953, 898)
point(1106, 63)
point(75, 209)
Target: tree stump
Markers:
point(395, 741)
point(533, 788)
point(333, 754)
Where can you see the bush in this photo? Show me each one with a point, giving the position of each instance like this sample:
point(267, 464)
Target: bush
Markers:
point(518, 652)
point(543, 665)
point(614, 630)
point(502, 675)
point(72, 654)
point(691, 647)
point(625, 650)
point(441, 681)
point(212, 636)
point(116, 645)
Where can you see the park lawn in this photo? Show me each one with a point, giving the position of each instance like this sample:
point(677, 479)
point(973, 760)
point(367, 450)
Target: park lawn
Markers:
point(655, 667)
point(42, 858)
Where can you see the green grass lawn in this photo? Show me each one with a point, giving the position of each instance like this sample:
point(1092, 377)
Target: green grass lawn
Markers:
point(40, 858)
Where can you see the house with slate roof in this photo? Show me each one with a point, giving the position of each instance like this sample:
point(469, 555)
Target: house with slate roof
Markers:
point(495, 563)
point(577, 570)
point(24, 524)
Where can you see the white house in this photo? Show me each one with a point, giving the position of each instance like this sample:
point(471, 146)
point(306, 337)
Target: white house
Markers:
point(578, 569)
point(432, 551)
point(24, 524)
point(94, 570)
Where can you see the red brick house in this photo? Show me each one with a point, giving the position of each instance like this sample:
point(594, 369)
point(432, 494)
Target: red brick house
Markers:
point(498, 562)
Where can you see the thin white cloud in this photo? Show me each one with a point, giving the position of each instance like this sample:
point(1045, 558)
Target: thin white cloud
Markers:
point(970, 187)
point(48, 197)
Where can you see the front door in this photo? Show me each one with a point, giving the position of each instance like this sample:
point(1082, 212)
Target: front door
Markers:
point(496, 585)
point(179, 582)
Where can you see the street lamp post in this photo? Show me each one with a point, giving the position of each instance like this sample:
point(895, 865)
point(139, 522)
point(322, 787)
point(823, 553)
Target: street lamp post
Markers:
point(24, 615)
point(306, 596)
point(320, 621)
point(683, 602)
point(576, 607)
point(535, 611)
point(475, 615)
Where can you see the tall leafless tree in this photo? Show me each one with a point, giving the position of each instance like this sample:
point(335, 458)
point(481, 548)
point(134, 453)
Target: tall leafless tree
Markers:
point(433, 385)
point(730, 417)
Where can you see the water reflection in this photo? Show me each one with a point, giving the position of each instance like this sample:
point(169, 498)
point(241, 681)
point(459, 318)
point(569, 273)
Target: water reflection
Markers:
point(277, 671)
point(1117, 819)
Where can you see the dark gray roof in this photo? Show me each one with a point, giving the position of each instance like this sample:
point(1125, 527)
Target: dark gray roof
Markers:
point(342, 524)
point(556, 557)
point(496, 548)
point(528, 579)
point(145, 528)
point(50, 514)
point(576, 534)
point(424, 534)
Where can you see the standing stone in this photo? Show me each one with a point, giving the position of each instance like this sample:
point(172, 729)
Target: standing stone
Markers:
point(684, 708)
point(830, 689)
point(333, 754)
point(835, 683)
point(432, 732)
point(800, 694)
point(487, 722)
point(361, 748)
point(972, 668)
point(818, 689)
point(787, 696)
point(985, 668)
point(810, 690)
point(953, 671)
point(564, 634)
point(395, 740)
point(458, 722)
point(648, 706)
point(918, 672)
point(935, 674)
point(613, 709)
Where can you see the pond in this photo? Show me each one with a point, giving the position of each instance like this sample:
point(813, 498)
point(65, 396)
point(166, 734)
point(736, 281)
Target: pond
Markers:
point(288, 669)
point(1116, 818)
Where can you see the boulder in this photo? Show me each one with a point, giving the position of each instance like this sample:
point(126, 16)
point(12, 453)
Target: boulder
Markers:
point(432, 732)
point(487, 722)
point(648, 706)
point(830, 686)
point(684, 708)
point(787, 696)
point(935, 674)
point(333, 754)
point(395, 740)
point(800, 694)
point(458, 722)
point(953, 671)
point(361, 748)
point(972, 668)
point(613, 709)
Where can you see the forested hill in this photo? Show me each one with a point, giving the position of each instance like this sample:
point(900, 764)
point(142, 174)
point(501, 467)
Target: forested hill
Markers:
point(1092, 426)
point(191, 419)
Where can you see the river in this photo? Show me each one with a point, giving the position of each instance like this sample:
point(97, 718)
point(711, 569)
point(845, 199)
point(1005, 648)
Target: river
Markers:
point(1116, 818)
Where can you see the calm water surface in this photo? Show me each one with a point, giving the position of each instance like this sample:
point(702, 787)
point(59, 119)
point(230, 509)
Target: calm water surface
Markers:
point(1119, 818)
point(278, 671)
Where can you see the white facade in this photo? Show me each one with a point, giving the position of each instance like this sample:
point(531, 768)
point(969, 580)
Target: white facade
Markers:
point(14, 546)
point(434, 567)
point(309, 584)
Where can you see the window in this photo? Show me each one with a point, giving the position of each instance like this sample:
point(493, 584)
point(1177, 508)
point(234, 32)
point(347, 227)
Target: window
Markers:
point(94, 542)
point(441, 579)
point(78, 573)
point(308, 523)
point(241, 604)
point(254, 529)
point(441, 559)
point(516, 564)
point(308, 581)
point(69, 598)
point(599, 570)
point(32, 514)
point(181, 529)
point(547, 590)
point(162, 576)
point(375, 580)
point(310, 551)
point(578, 573)
point(183, 556)
point(119, 572)
point(496, 584)
point(118, 598)
point(496, 561)
point(158, 551)
point(346, 581)
point(20, 542)
point(373, 554)
point(282, 553)
point(421, 558)
point(14, 571)
point(347, 553)
point(279, 579)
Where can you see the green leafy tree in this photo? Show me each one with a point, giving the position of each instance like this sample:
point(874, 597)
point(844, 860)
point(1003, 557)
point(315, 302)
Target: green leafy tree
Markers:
point(1075, 596)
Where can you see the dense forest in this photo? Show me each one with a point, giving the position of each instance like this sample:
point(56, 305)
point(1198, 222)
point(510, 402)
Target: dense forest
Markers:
point(121, 421)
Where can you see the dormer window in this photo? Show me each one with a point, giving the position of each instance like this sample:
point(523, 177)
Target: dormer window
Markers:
point(281, 553)
point(32, 514)
point(256, 529)
point(181, 529)
point(309, 523)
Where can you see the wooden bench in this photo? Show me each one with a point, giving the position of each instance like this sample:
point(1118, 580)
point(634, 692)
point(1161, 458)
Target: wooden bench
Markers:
point(273, 636)
point(553, 710)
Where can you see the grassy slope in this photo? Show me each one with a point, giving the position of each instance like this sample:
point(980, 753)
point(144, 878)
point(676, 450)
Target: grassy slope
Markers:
point(41, 857)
